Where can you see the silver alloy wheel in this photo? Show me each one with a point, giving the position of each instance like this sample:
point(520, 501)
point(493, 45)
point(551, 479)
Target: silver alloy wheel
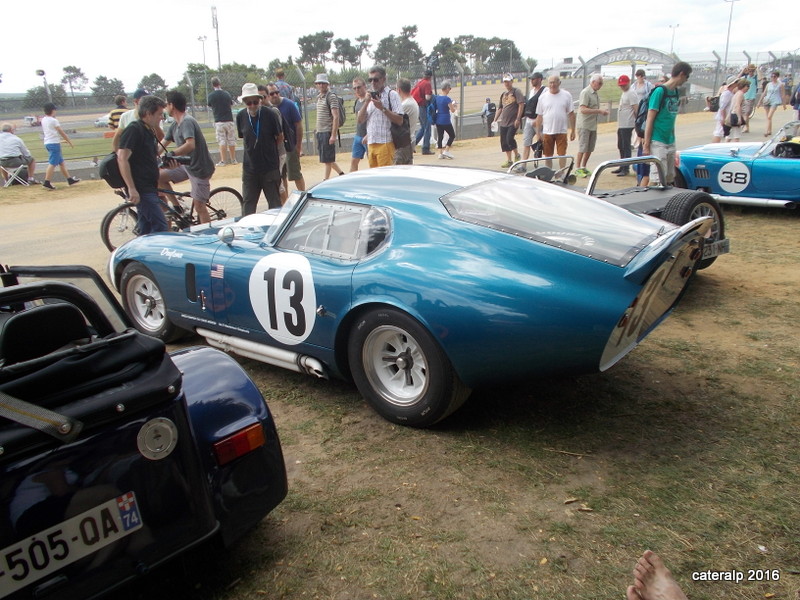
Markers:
point(704, 209)
point(146, 304)
point(395, 365)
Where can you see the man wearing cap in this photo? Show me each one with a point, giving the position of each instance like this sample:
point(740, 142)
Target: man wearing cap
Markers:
point(509, 118)
point(529, 132)
point(422, 92)
point(722, 130)
point(626, 119)
point(261, 130)
point(327, 124)
point(588, 111)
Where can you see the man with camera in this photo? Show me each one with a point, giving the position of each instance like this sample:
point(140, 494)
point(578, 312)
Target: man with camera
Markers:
point(188, 137)
point(379, 112)
point(138, 164)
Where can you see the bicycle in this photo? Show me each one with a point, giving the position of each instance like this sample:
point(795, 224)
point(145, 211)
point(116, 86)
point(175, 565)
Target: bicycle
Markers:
point(120, 224)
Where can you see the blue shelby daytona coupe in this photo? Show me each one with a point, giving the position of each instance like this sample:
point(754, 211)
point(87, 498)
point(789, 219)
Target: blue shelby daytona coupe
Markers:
point(418, 282)
point(749, 173)
point(114, 455)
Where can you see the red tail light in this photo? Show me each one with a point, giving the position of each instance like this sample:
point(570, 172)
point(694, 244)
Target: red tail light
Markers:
point(240, 443)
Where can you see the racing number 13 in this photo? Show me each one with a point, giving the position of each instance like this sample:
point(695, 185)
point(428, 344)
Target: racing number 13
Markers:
point(295, 322)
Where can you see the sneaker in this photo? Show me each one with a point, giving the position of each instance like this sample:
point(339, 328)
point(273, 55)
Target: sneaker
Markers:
point(73, 180)
point(221, 163)
point(506, 164)
point(516, 157)
point(448, 155)
point(617, 171)
point(441, 156)
point(32, 181)
point(428, 152)
point(234, 162)
point(622, 174)
point(48, 186)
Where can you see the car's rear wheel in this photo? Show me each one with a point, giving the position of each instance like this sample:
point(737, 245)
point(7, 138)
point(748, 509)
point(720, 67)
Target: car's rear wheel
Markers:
point(145, 304)
point(401, 370)
point(687, 206)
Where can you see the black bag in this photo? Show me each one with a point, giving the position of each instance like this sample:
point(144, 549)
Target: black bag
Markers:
point(713, 103)
point(734, 120)
point(401, 134)
point(530, 105)
point(108, 169)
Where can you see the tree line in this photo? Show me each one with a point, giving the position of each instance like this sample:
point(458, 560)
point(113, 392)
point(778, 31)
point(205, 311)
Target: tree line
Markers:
point(401, 53)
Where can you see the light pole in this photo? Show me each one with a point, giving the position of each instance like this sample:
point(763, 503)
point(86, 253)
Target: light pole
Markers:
point(728, 38)
point(672, 43)
point(40, 73)
point(202, 39)
point(215, 25)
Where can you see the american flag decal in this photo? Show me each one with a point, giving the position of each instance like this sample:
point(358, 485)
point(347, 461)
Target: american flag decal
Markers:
point(217, 271)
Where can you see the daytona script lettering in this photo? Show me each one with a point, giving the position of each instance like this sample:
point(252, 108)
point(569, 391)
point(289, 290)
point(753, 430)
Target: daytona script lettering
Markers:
point(171, 253)
point(738, 576)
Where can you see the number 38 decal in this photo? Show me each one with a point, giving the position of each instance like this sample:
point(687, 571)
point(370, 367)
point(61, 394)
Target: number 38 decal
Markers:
point(283, 297)
point(734, 177)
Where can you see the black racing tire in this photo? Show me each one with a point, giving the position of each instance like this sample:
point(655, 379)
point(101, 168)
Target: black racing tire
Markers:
point(401, 370)
point(224, 203)
point(120, 225)
point(687, 206)
point(144, 302)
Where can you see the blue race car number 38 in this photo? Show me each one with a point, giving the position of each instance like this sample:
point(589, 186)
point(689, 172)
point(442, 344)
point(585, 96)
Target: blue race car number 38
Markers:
point(283, 297)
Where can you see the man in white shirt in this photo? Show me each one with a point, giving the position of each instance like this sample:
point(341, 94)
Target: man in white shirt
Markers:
point(53, 134)
point(555, 114)
point(405, 155)
point(14, 153)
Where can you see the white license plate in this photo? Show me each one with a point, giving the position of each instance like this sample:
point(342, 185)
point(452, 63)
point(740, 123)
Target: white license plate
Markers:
point(40, 555)
point(711, 249)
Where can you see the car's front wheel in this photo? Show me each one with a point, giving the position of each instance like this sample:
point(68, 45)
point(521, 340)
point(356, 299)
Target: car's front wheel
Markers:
point(145, 304)
point(687, 206)
point(401, 370)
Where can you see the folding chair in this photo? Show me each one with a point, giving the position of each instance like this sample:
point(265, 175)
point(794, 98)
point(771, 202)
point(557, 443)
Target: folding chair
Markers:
point(12, 174)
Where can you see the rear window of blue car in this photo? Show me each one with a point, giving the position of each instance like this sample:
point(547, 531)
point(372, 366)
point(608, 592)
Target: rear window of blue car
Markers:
point(551, 215)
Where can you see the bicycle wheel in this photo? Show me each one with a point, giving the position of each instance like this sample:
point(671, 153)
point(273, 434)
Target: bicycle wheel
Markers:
point(119, 225)
point(224, 203)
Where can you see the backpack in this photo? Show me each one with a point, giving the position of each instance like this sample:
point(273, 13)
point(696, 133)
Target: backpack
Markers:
point(108, 169)
point(641, 112)
point(340, 106)
point(530, 105)
point(713, 103)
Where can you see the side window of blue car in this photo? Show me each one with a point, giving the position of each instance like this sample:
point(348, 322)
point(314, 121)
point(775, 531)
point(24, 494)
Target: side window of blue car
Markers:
point(337, 230)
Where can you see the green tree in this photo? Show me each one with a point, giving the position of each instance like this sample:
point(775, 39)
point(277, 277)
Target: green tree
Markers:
point(75, 79)
point(154, 84)
point(314, 48)
point(36, 97)
point(386, 51)
point(104, 89)
point(345, 52)
point(363, 47)
point(449, 52)
point(408, 51)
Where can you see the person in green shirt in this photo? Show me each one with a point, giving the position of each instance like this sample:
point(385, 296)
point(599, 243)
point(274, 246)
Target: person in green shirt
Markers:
point(659, 132)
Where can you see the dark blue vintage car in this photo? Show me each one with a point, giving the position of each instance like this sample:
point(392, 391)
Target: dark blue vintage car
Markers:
point(748, 173)
point(114, 455)
point(419, 283)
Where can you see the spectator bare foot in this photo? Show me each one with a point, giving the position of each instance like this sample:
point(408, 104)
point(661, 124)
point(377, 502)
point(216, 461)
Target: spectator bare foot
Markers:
point(653, 581)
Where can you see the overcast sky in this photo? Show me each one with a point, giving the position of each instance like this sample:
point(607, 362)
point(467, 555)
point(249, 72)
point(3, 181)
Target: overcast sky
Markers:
point(112, 39)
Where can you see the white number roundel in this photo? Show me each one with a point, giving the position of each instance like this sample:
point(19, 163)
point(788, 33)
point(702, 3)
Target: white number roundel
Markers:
point(734, 177)
point(283, 297)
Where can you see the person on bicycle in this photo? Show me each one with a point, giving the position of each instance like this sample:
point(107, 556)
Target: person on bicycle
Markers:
point(188, 137)
point(138, 164)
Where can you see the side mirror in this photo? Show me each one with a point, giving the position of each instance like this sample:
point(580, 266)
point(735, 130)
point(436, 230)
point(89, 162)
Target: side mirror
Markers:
point(226, 235)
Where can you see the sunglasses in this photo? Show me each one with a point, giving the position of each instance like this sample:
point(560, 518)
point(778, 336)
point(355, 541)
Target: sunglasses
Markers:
point(373, 79)
point(252, 102)
point(274, 93)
